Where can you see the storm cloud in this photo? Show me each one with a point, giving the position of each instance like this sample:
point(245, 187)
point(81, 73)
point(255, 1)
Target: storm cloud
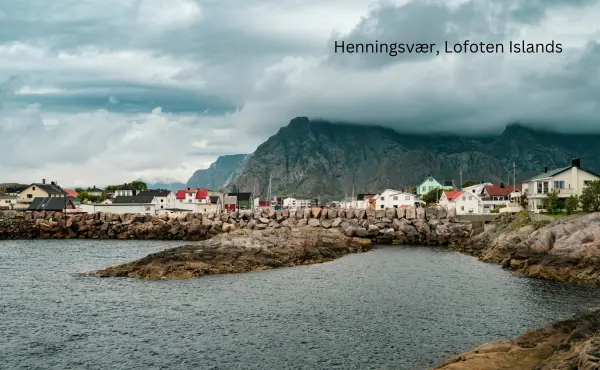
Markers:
point(104, 92)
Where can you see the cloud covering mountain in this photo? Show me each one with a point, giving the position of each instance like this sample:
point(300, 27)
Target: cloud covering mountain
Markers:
point(104, 92)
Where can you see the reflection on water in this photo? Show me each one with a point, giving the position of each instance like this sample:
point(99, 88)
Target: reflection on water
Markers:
point(394, 308)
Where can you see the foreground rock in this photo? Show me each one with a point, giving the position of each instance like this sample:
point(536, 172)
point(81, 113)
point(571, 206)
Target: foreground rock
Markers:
point(242, 251)
point(563, 250)
point(565, 345)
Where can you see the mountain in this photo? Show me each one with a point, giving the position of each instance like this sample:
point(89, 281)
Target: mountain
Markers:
point(318, 158)
point(166, 185)
point(219, 174)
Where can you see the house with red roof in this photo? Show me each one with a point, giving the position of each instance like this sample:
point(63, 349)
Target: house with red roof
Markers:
point(463, 202)
point(494, 196)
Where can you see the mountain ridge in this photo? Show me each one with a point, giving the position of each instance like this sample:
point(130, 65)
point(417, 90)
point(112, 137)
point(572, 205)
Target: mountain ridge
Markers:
point(310, 158)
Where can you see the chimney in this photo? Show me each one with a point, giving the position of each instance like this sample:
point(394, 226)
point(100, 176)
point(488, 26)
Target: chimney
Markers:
point(502, 185)
point(545, 169)
point(52, 183)
point(576, 162)
point(189, 189)
point(44, 181)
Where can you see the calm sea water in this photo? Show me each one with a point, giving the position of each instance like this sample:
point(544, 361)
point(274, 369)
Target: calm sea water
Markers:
point(393, 308)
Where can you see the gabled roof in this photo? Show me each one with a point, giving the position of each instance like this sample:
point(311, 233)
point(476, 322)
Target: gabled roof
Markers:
point(452, 195)
point(138, 199)
point(49, 188)
point(465, 193)
point(427, 179)
point(72, 193)
point(50, 204)
point(94, 189)
point(155, 193)
point(127, 187)
point(557, 171)
point(181, 193)
point(202, 194)
point(497, 191)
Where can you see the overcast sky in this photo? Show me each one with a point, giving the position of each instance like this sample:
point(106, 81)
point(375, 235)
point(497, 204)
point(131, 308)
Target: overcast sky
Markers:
point(106, 91)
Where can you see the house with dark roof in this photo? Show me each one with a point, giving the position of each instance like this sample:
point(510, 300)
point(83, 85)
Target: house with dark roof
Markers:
point(94, 191)
point(51, 204)
point(566, 181)
point(39, 190)
point(235, 201)
point(126, 190)
point(163, 199)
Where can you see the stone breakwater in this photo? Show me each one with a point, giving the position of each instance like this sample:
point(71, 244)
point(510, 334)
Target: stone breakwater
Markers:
point(431, 226)
point(568, 344)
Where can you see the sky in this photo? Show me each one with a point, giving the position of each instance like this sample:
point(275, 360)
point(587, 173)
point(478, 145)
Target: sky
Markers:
point(96, 92)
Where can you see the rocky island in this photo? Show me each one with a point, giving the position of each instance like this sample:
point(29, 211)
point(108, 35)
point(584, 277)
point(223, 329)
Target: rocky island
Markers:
point(564, 345)
point(242, 251)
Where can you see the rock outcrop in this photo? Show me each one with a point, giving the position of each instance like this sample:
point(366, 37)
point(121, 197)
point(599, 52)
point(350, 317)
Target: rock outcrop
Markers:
point(242, 251)
point(566, 249)
point(401, 226)
point(569, 344)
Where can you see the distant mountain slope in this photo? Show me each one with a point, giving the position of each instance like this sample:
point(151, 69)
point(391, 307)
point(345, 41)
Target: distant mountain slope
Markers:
point(318, 158)
point(166, 185)
point(219, 173)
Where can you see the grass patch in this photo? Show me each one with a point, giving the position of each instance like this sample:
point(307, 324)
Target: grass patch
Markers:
point(564, 214)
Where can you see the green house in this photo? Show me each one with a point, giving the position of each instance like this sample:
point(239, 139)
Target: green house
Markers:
point(430, 184)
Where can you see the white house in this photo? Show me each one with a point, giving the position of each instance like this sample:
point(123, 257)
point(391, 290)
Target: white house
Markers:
point(494, 196)
point(394, 199)
point(162, 199)
point(566, 181)
point(127, 190)
point(295, 203)
point(8, 201)
point(147, 209)
point(463, 202)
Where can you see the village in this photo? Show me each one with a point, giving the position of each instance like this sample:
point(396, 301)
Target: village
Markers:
point(470, 197)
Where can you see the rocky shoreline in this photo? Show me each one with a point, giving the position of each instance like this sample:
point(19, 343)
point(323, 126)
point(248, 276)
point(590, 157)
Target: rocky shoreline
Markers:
point(242, 251)
point(564, 345)
point(566, 249)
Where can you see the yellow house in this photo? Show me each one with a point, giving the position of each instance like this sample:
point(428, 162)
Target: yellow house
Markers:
point(38, 190)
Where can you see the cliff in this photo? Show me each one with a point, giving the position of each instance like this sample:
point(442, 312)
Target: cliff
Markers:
point(219, 174)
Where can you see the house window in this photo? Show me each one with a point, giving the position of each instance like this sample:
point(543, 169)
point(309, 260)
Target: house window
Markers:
point(407, 197)
point(395, 197)
point(189, 201)
point(395, 206)
point(473, 190)
point(162, 200)
point(33, 188)
point(147, 209)
point(462, 208)
point(539, 188)
point(559, 184)
point(545, 185)
point(586, 182)
point(382, 198)
point(424, 189)
point(381, 206)
point(29, 196)
point(161, 207)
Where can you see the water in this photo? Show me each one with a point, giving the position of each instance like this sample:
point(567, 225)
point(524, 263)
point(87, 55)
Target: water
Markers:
point(393, 308)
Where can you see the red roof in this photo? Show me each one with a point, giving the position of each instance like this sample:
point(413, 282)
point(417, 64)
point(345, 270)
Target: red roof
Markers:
point(202, 194)
point(497, 191)
point(72, 193)
point(452, 195)
point(181, 193)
